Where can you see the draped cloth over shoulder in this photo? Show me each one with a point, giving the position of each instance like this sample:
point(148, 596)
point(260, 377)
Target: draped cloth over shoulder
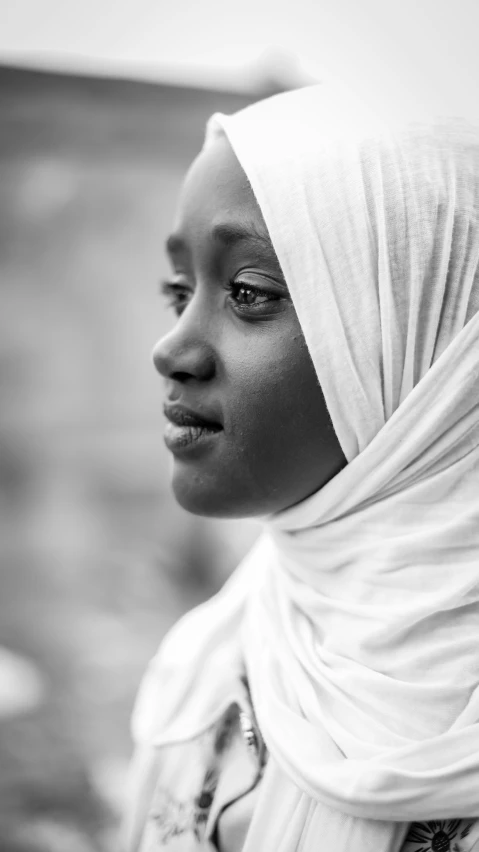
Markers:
point(356, 614)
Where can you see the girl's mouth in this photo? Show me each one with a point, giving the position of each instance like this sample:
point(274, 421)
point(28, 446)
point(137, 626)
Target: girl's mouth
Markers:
point(186, 428)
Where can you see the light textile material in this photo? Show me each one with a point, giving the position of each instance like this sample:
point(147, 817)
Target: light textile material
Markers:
point(357, 612)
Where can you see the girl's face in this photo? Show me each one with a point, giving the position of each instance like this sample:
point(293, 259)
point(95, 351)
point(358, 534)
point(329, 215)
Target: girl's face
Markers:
point(248, 426)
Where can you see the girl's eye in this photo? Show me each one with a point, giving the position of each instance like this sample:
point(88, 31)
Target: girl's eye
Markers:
point(177, 295)
point(246, 295)
point(242, 295)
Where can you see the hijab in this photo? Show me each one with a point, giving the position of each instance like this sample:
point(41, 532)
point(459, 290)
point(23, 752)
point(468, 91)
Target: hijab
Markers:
point(356, 614)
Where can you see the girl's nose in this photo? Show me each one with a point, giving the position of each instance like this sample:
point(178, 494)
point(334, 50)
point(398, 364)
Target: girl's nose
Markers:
point(181, 357)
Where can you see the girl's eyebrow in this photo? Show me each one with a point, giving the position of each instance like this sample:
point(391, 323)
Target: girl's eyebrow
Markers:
point(227, 233)
point(231, 233)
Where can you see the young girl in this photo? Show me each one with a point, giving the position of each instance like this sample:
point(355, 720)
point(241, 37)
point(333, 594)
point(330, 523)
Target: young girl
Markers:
point(323, 376)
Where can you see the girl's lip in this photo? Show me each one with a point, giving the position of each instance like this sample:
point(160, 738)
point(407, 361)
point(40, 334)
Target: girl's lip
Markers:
point(188, 431)
point(179, 415)
point(180, 439)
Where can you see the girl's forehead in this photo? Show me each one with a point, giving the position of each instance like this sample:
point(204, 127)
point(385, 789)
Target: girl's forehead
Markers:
point(216, 199)
point(217, 174)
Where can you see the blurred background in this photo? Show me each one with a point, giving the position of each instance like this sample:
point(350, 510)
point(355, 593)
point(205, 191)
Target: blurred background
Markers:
point(102, 108)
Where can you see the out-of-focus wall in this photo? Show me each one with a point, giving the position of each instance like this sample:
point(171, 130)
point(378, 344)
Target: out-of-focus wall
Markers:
point(96, 559)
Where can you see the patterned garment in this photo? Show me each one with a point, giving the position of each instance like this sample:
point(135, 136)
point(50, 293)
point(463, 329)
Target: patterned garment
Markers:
point(206, 791)
point(207, 787)
point(443, 835)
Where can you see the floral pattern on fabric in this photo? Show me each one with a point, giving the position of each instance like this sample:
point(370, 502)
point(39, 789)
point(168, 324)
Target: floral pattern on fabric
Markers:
point(199, 779)
point(173, 818)
point(444, 835)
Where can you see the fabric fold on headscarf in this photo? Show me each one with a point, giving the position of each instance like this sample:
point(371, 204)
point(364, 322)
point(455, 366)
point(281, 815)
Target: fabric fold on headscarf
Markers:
point(356, 614)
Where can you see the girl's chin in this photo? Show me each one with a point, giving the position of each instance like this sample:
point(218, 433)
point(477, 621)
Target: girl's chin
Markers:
point(200, 493)
point(194, 491)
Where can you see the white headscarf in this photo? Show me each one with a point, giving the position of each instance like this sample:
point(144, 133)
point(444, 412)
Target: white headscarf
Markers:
point(357, 612)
